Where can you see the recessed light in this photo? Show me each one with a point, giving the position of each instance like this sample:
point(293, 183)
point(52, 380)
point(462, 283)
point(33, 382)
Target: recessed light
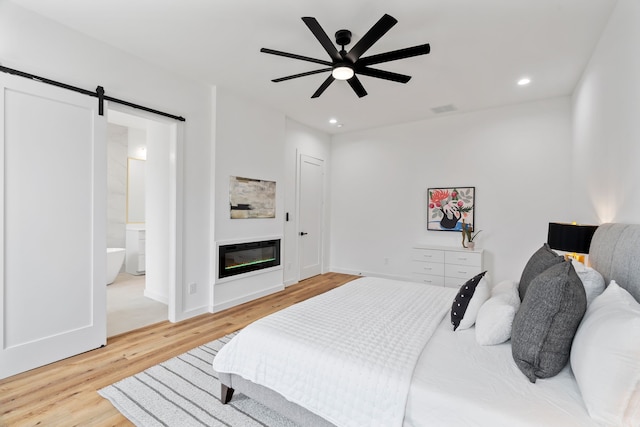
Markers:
point(524, 81)
point(333, 121)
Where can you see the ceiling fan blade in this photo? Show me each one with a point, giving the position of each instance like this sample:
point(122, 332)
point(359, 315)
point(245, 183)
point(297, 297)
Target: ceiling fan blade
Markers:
point(323, 86)
point(295, 76)
point(379, 29)
point(322, 37)
point(294, 56)
point(381, 74)
point(357, 87)
point(408, 52)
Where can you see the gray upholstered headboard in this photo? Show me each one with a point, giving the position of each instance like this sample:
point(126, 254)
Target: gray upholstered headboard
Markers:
point(615, 253)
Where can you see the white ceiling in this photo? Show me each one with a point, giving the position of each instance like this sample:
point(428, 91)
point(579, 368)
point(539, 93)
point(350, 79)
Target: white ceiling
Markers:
point(479, 49)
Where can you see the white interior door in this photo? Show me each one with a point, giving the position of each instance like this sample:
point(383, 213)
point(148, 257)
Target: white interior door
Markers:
point(53, 224)
point(310, 214)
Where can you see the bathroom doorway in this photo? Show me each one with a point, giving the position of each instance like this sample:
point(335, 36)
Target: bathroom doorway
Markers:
point(140, 219)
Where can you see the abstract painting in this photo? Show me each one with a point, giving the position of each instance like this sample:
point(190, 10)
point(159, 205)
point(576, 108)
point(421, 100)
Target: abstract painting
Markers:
point(252, 198)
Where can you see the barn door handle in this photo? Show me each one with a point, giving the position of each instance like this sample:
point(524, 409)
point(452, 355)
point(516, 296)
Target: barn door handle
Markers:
point(302, 233)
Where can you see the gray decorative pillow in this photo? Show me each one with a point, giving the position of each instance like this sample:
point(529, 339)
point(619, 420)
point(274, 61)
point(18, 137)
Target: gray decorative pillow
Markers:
point(547, 320)
point(541, 260)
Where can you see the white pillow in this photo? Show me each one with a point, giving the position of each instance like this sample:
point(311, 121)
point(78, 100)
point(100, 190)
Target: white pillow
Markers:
point(591, 279)
point(480, 295)
point(495, 318)
point(506, 287)
point(605, 358)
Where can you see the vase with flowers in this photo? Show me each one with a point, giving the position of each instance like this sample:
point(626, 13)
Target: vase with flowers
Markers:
point(468, 235)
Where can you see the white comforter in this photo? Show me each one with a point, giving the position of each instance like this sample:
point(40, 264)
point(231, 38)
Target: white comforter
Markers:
point(347, 355)
point(460, 383)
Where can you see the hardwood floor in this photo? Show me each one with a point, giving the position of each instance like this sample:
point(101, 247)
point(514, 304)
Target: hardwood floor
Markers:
point(65, 393)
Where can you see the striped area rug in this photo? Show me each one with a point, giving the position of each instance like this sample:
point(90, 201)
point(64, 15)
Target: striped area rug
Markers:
point(185, 391)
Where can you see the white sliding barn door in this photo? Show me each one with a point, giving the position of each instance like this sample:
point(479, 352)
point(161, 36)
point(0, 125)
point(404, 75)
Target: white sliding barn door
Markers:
point(53, 224)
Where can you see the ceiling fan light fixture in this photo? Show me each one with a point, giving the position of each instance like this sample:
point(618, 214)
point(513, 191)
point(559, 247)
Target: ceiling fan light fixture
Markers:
point(343, 64)
point(342, 72)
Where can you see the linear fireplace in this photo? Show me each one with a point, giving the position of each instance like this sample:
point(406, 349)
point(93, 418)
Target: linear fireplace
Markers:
point(242, 258)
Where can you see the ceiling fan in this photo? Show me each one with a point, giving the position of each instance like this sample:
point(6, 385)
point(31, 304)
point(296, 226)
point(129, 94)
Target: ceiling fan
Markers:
point(348, 65)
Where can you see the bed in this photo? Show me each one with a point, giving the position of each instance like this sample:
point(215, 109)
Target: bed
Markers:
point(411, 369)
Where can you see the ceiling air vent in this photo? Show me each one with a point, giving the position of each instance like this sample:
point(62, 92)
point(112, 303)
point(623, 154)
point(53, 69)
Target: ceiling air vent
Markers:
point(444, 109)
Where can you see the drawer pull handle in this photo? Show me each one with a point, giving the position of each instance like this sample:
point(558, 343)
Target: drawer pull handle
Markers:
point(428, 268)
point(462, 259)
point(462, 272)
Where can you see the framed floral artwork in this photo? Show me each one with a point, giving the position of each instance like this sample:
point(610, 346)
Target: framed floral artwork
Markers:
point(448, 207)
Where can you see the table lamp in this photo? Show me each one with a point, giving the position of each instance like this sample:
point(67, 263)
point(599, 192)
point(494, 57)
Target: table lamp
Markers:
point(572, 238)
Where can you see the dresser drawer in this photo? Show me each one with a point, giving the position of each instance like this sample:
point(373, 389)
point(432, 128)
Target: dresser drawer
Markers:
point(444, 266)
point(430, 255)
point(452, 282)
point(460, 271)
point(463, 258)
point(428, 279)
point(432, 268)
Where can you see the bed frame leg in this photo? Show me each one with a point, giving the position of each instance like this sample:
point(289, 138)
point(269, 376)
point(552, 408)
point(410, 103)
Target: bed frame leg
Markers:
point(226, 393)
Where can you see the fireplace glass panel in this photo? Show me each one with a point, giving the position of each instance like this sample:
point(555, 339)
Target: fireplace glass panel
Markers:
point(245, 257)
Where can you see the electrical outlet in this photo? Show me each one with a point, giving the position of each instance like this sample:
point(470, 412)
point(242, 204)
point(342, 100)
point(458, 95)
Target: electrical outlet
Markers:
point(193, 288)
point(386, 261)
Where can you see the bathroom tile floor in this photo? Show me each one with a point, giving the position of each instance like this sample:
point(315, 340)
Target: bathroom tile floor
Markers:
point(128, 308)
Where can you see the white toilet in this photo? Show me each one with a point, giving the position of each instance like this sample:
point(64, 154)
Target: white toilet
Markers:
point(115, 258)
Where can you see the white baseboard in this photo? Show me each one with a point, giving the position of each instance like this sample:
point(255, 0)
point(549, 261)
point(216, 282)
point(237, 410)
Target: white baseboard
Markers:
point(368, 274)
point(290, 282)
point(245, 298)
point(156, 296)
point(191, 313)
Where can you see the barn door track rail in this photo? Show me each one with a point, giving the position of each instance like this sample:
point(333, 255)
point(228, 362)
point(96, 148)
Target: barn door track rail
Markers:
point(98, 93)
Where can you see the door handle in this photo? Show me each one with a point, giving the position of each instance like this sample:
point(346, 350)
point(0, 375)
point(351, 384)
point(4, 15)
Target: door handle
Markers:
point(302, 233)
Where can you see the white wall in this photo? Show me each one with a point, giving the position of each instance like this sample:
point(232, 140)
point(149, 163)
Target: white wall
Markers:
point(606, 121)
point(158, 210)
point(518, 158)
point(39, 46)
point(301, 139)
point(249, 142)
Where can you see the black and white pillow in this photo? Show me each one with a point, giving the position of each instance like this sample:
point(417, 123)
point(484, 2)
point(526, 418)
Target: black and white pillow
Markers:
point(468, 301)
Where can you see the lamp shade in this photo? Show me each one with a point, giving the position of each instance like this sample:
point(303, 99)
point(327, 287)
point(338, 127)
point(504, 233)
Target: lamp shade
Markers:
point(570, 237)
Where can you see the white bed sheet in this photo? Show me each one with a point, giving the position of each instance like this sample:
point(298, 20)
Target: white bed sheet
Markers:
point(458, 382)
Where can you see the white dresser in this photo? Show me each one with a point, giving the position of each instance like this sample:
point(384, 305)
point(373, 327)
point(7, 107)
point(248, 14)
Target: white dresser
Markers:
point(445, 266)
point(135, 260)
